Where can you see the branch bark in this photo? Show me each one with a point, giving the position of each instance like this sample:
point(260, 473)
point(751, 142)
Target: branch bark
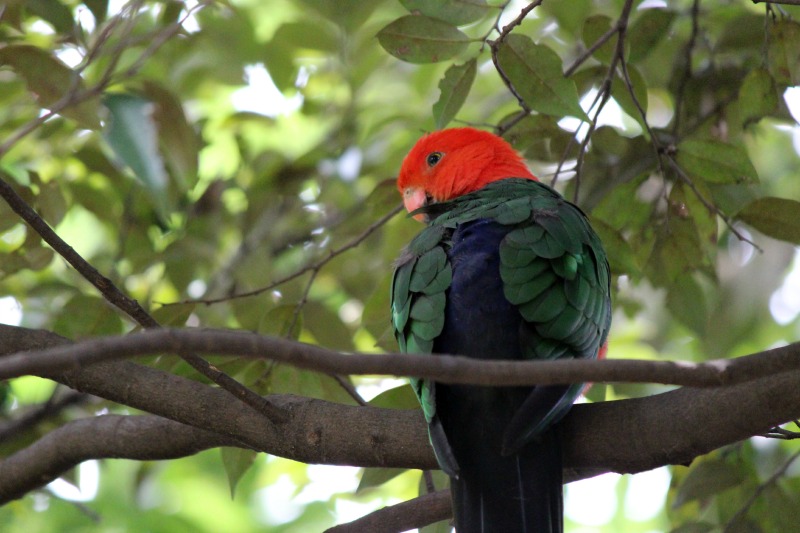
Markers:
point(444, 368)
point(112, 436)
point(669, 428)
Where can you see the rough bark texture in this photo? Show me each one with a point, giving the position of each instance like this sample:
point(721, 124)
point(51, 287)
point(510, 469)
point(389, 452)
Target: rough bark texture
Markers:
point(669, 428)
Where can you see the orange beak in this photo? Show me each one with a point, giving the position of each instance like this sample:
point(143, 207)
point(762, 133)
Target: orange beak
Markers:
point(414, 198)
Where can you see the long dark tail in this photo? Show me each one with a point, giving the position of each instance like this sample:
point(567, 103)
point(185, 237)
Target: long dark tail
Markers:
point(521, 493)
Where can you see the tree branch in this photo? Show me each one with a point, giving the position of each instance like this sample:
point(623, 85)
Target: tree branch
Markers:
point(112, 436)
point(416, 513)
point(126, 304)
point(314, 267)
point(444, 368)
point(670, 428)
point(54, 406)
point(495, 47)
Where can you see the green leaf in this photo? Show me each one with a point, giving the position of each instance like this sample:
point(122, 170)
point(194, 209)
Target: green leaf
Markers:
point(401, 397)
point(454, 88)
point(307, 35)
point(326, 327)
point(535, 72)
point(775, 217)
point(49, 80)
point(237, 461)
point(621, 93)
point(621, 258)
point(50, 202)
point(85, 316)
point(687, 303)
point(740, 32)
point(758, 96)
point(716, 162)
point(539, 137)
point(99, 9)
point(349, 16)
point(279, 61)
point(570, 15)
point(421, 39)
point(38, 257)
point(593, 28)
point(694, 527)
point(178, 140)
point(598, 392)
point(707, 479)
point(784, 52)
point(374, 477)
point(54, 12)
point(647, 31)
point(456, 12)
point(132, 134)
point(282, 321)
point(174, 314)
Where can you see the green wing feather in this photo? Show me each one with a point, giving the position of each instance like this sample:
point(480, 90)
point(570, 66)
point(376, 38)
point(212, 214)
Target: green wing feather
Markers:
point(553, 269)
point(421, 279)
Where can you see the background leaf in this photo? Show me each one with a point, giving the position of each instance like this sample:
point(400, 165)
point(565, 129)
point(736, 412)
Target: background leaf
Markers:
point(776, 217)
point(758, 96)
point(535, 71)
point(647, 30)
point(132, 134)
point(715, 161)
point(784, 52)
point(237, 462)
point(454, 88)
point(49, 80)
point(421, 39)
point(456, 12)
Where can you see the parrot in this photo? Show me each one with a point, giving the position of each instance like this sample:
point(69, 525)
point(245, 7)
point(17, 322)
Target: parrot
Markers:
point(505, 269)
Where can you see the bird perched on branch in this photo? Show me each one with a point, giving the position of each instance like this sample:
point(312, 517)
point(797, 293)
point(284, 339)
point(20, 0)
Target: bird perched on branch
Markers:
point(506, 268)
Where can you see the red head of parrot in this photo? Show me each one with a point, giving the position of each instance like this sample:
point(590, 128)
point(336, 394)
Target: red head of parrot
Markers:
point(449, 163)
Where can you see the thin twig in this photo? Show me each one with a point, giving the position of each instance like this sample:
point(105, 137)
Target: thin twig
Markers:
point(106, 287)
point(687, 70)
point(348, 387)
point(707, 203)
point(495, 47)
point(782, 434)
point(317, 265)
point(643, 114)
point(341, 381)
point(128, 305)
point(605, 90)
point(496, 25)
point(757, 493)
point(55, 405)
point(412, 514)
point(444, 368)
point(517, 21)
point(592, 49)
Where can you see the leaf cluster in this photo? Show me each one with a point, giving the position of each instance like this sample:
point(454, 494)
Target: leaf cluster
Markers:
point(229, 164)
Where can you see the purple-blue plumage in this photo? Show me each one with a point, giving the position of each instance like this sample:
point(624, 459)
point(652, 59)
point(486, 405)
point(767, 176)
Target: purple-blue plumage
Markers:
point(494, 493)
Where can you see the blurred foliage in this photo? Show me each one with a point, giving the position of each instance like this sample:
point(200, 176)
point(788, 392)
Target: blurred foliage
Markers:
point(207, 149)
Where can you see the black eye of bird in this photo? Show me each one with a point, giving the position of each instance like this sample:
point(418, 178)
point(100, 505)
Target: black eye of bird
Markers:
point(433, 158)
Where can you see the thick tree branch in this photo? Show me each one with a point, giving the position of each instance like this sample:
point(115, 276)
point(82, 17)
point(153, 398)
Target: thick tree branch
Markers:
point(126, 304)
point(108, 436)
point(405, 516)
point(670, 428)
point(448, 369)
point(55, 405)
